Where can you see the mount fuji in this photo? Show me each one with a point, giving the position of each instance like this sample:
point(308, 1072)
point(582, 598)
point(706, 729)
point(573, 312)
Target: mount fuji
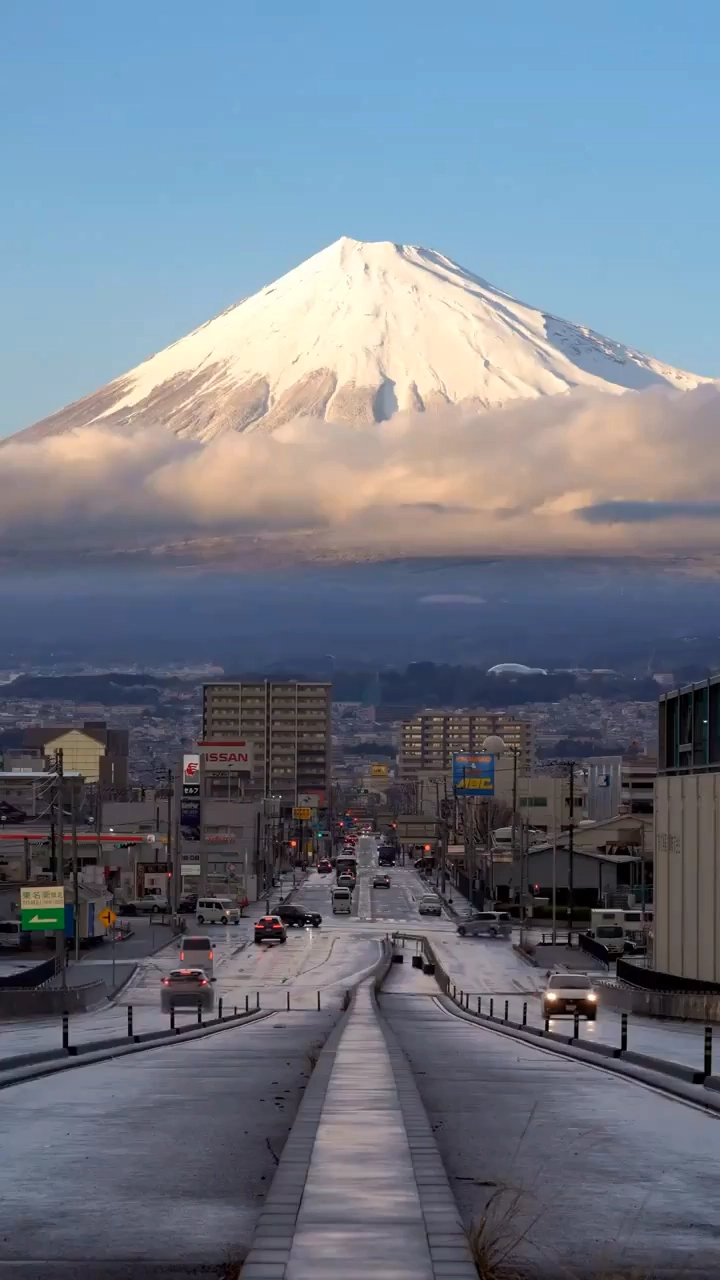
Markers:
point(354, 335)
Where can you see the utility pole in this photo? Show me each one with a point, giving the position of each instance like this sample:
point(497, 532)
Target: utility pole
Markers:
point(76, 886)
point(571, 849)
point(513, 840)
point(59, 861)
point(174, 887)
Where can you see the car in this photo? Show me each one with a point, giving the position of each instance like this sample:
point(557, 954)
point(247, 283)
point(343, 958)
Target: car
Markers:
point(217, 911)
point(569, 993)
point(188, 903)
point(346, 880)
point(270, 929)
point(324, 866)
point(290, 915)
point(430, 905)
point(488, 924)
point(196, 952)
point(381, 882)
point(189, 987)
point(148, 904)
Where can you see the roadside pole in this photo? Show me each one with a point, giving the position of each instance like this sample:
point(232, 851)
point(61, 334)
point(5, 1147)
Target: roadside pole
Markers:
point(59, 860)
point(76, 886)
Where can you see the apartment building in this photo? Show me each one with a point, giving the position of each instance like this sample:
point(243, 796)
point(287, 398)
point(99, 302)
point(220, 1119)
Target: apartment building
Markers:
point(288, 724)
point(427, 742)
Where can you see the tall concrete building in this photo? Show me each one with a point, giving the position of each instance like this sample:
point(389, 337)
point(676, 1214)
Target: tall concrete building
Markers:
point(687, 834)
point(287, 722)
point(427, 742)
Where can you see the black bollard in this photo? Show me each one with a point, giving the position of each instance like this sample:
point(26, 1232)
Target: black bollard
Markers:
point(66, 1031)
point(130, 1020)
point(623, 1032)
point(524, 1021)
point(707, 1068)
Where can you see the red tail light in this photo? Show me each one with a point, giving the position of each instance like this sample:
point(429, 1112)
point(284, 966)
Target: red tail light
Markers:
point(203, 982)
point(277, 926)
point(166, 982)
point(182, 955)
point(210, 955)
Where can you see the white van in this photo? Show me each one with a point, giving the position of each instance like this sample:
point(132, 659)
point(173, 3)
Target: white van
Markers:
point(341, 901)
point(217, 911)
point(196, 952)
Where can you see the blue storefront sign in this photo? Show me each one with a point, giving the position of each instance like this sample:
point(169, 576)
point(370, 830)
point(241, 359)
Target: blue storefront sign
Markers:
point(473, 775)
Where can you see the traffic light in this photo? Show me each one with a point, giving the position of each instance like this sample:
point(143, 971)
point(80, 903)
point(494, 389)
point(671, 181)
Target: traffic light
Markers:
point(293, 844)
point(427, 848)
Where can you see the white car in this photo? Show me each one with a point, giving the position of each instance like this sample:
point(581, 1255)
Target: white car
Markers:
point(570, 993)
point(488, 924)
point(430, 905)
point(149, 903)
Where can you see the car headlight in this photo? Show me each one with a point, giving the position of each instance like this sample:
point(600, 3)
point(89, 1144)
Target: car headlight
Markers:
point(591, 996)
point(550, 995)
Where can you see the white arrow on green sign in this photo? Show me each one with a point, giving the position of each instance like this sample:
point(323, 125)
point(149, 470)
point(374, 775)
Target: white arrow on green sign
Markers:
point(42, 918)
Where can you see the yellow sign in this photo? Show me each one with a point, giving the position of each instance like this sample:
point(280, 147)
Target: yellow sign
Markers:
point(378, 771)
point(303, 814)
point(107, 917)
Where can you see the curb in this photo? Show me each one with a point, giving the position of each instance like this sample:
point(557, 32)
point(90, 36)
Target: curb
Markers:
point(632, 1066)
point(447, 1240)
point(77, 1056)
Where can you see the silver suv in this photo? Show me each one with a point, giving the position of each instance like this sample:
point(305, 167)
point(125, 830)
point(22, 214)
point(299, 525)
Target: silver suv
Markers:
point(486, 924)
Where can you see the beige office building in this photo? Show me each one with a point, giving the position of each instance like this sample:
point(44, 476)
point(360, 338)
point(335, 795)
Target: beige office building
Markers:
point(428, 741)
point(288, 724)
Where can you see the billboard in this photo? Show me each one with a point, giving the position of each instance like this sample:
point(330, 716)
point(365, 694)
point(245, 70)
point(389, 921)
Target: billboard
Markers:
point(378, 771)
point(227, 757)
point(473, 775)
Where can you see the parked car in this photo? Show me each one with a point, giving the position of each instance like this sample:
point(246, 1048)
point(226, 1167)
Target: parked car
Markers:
point(270, 929)
point(381, 882)
point(569, 993)
point(291, 915)
point(430, 905)
point(188, 903)
point(186, 987)
point(487, 924)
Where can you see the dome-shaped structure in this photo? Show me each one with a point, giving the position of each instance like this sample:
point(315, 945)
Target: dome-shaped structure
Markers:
point(515, 669)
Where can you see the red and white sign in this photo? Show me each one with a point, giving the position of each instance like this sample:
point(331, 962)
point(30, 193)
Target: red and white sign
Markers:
point(227, 757)
point(191, 768)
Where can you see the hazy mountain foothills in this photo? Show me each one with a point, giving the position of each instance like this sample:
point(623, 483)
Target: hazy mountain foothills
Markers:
point(378, 400)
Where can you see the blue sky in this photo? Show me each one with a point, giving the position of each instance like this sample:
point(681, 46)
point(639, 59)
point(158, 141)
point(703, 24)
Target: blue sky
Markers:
point(160, 160)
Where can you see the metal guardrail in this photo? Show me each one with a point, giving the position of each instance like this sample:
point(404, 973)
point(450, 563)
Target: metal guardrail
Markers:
point(595, 948)
point(38, 976)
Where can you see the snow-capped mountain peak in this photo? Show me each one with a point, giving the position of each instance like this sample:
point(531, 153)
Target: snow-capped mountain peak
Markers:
point(355, 334)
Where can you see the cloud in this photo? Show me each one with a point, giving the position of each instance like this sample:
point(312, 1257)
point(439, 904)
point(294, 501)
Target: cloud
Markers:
point(566, 474)
point(456, 599)
point(642, 512)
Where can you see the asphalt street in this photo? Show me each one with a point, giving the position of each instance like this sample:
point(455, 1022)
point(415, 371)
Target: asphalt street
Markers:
point(159, 1159)
point(579, 1173)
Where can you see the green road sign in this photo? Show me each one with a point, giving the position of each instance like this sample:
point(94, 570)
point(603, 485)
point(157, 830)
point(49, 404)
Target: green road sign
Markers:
point(42, 907)
point(42, 918)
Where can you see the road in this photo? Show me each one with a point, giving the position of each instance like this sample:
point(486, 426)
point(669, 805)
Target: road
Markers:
point(157, 1163)
point(580, 1172)
point(159, 1159)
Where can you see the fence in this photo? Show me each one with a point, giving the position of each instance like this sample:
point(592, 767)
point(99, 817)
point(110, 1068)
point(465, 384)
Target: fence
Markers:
point(594, 948)
point(654, 980)
point(31, 978)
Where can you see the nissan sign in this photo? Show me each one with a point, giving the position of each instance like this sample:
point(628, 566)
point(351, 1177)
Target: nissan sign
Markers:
point(226, 757)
